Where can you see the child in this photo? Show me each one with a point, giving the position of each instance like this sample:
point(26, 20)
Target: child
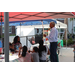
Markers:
point(35, 55)
point(25, 56)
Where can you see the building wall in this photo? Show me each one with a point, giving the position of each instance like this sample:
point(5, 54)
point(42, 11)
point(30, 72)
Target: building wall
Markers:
point(70, 26)
point(24, 31)
point(13, 30)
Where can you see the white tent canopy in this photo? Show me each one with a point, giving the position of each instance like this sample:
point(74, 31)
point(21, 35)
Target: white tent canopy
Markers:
point(62, 25)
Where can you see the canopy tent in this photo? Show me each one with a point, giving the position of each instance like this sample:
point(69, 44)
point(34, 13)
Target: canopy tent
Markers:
point(33, 22)
point(29, 16)
point(62, 25)
point(19, 16)
point(61, 14)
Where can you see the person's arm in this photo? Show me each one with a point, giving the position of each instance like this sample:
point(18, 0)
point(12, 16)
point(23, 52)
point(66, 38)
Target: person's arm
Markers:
point(48, 52)
point(46, 36)
point(19, 54)
point(32, 58)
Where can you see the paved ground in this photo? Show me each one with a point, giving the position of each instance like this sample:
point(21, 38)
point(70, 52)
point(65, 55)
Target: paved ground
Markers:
point(66, 55)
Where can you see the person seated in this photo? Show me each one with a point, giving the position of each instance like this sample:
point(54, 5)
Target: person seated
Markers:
point(17, 43)
point(25, 56)
point(43, 51)
point(32, 40)
point(11, 48)
point(35, 55)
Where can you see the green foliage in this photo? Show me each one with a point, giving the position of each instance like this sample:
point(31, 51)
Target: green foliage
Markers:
point(71, 19)
point(2, 36)
point(12, 35)
point(69, 41)
point(64, 42)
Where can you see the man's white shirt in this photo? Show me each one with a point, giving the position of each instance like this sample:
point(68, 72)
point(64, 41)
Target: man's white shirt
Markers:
point(53, 35)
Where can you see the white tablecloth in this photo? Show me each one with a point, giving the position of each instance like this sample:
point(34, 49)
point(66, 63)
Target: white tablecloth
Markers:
point(11, 57)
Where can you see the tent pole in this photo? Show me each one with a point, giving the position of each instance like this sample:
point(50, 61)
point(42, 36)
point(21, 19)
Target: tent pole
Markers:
point(20, 28)
point(42, 27)
point(43, 31)
point(1, 26)
point(6, 36)
point(66, 37)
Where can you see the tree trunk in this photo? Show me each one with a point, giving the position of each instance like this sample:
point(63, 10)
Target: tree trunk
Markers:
point(66, 22)
point(72, 27)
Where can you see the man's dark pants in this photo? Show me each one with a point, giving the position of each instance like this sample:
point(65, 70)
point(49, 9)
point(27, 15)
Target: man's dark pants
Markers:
point(53, 54)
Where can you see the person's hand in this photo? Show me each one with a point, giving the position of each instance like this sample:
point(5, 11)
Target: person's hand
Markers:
point(19, 48)
point(33, 42)
point(73, 50)
point(46, 39)
point(44, 35)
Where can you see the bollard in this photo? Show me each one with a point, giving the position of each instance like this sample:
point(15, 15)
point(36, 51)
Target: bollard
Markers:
point(74, 53)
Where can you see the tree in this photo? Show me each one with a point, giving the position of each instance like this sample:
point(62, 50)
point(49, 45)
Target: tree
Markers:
point(66, 22)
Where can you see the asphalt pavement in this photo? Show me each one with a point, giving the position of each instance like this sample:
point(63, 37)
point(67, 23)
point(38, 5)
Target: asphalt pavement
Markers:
point(66, 55)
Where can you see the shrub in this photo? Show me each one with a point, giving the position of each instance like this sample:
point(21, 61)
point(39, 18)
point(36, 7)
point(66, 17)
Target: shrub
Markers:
point(64, 42)
point(69, 41)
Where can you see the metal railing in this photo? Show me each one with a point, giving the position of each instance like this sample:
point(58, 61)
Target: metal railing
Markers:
point(27, 40)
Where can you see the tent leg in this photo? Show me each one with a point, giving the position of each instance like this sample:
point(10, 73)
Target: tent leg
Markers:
point(20, 29)
point(43, 28)
point(6, 36)
point(66, 37)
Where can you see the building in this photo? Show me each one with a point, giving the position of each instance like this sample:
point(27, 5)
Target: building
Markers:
point(11, 30)
point(71, 26)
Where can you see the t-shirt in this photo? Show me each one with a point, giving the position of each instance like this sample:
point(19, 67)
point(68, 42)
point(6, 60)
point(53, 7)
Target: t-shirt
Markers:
point(17, 46)
point(35, 56)
point(44, 54)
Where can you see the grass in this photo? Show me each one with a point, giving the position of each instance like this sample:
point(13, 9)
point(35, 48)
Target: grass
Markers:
point(9, 35)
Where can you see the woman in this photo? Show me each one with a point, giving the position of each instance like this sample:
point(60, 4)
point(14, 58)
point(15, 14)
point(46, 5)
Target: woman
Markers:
point(43, 50)
point(25, 56)
point(17, 43)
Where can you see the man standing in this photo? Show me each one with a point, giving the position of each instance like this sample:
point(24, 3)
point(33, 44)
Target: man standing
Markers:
point(53, 42)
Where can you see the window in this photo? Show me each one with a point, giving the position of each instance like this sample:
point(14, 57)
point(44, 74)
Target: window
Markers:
point(10, 29)
point(74, 29)
point(61, 30)
point(37, 30)
point(2, 29)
